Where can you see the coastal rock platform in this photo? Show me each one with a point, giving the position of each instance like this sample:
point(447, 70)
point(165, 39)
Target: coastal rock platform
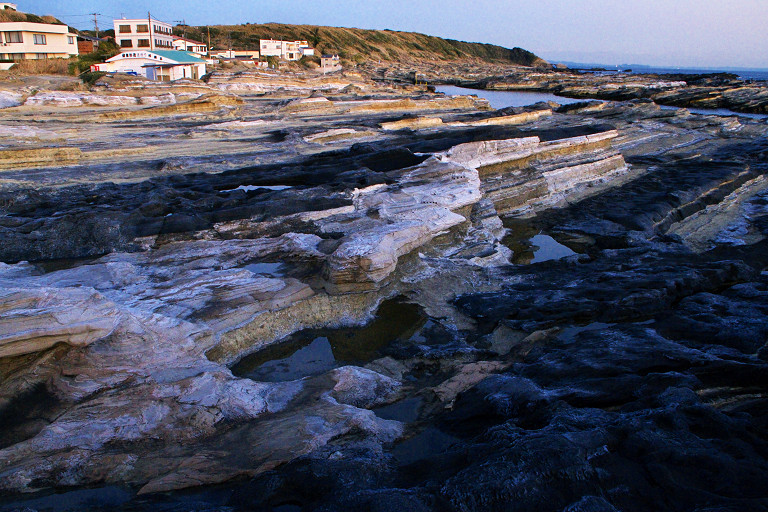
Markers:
point(336, 295)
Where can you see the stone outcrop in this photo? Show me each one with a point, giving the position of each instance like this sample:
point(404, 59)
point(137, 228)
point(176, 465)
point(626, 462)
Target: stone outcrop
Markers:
point(205, 104)
point(425, 368)
point(36, 320)
point(523, 175)
point(10, 158)
point(10, 99)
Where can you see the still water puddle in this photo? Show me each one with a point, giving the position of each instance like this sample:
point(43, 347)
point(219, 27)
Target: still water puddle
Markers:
point(569, 333)
point(716, 112)
point(249, 188)
point(266, 269)
point(406, 410)
point(546, 248)
point(103, 498)
point(535, 249)
point(314, 359)
point(316, 351)
point(530, 245)
point(48, 266)
point(426, 444)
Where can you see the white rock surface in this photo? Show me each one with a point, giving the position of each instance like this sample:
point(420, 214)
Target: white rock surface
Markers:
point(10, 99)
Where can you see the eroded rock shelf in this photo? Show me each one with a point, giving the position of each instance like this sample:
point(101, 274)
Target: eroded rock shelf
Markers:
point(180, 254)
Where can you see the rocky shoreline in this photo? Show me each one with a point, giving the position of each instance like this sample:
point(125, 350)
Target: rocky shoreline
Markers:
point(333, 293)
point(702, 91)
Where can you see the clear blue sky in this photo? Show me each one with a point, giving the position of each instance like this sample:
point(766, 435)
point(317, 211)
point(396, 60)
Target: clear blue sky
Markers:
point(704, 33)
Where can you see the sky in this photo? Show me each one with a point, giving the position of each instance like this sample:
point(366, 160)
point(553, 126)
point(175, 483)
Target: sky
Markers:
point(684, 33)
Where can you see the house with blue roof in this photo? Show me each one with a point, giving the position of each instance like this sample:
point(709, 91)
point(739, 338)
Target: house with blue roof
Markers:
point(162, 65)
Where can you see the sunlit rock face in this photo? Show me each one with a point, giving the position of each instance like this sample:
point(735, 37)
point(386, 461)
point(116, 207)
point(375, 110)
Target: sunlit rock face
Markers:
point(339, 302)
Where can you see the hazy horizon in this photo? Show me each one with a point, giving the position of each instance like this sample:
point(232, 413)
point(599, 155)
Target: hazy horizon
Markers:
point(686, 33)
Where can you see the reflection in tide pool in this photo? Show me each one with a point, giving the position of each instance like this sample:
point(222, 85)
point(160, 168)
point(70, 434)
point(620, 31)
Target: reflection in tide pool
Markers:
point(249, 188)
point(314, 359)
point(103, 498)
point(529, 245)
point(504, 99)
point(315, 351)
point(547, 248)
point(266, 269)
point(717, 112)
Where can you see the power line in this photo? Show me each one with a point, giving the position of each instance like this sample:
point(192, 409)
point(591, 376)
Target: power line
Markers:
point(96, 22)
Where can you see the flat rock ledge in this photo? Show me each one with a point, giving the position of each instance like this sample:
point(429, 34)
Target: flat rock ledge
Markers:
point(131, 350)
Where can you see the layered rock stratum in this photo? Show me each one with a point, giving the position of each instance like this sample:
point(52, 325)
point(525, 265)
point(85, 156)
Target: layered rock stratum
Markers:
point(329, 293)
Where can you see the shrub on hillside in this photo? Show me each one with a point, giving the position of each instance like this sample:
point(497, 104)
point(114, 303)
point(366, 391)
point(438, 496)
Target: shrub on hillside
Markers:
point(42, 67)
point(84, 61)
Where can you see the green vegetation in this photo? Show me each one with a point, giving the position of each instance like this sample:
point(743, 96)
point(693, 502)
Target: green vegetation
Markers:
point(11, 15)
point(90, 78)
point(359, 45)
point(84, 61)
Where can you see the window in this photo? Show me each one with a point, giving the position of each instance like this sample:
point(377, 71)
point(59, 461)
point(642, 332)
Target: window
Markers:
point(71, 39)
point(13, 37)
point(38, 38)
point(16, 57)
point(143, 43)
point(126, 43)
point(142, 29)
point(125, 29)
point(41, 56)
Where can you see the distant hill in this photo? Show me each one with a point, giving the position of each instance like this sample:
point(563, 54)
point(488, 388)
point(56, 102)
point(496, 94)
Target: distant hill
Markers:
point(360, 45)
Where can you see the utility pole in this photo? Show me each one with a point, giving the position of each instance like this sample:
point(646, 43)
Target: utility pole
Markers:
point(209, 41)
point(183, 23)
point(151, 40)
point(96, 22)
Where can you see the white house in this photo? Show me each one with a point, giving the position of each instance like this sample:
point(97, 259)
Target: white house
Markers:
point(20, 40)
point(146, 33)
point(330, 63)
point(7, 5)
point(162, 65)
point(190, 45)
point(286, 50)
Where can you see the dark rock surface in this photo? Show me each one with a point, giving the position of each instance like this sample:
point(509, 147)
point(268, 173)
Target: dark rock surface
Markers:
point(630, 376)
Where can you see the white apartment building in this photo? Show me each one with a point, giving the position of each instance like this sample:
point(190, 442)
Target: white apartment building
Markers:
point(21, 40)
point(189, 45)
point(146, 33)
point(286, 50)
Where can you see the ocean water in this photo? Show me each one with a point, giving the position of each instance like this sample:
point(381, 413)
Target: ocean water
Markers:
point(759, 74)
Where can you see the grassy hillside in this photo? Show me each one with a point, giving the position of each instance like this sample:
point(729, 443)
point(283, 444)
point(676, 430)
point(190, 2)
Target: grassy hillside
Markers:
point(360, 45)
point(11, 15)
